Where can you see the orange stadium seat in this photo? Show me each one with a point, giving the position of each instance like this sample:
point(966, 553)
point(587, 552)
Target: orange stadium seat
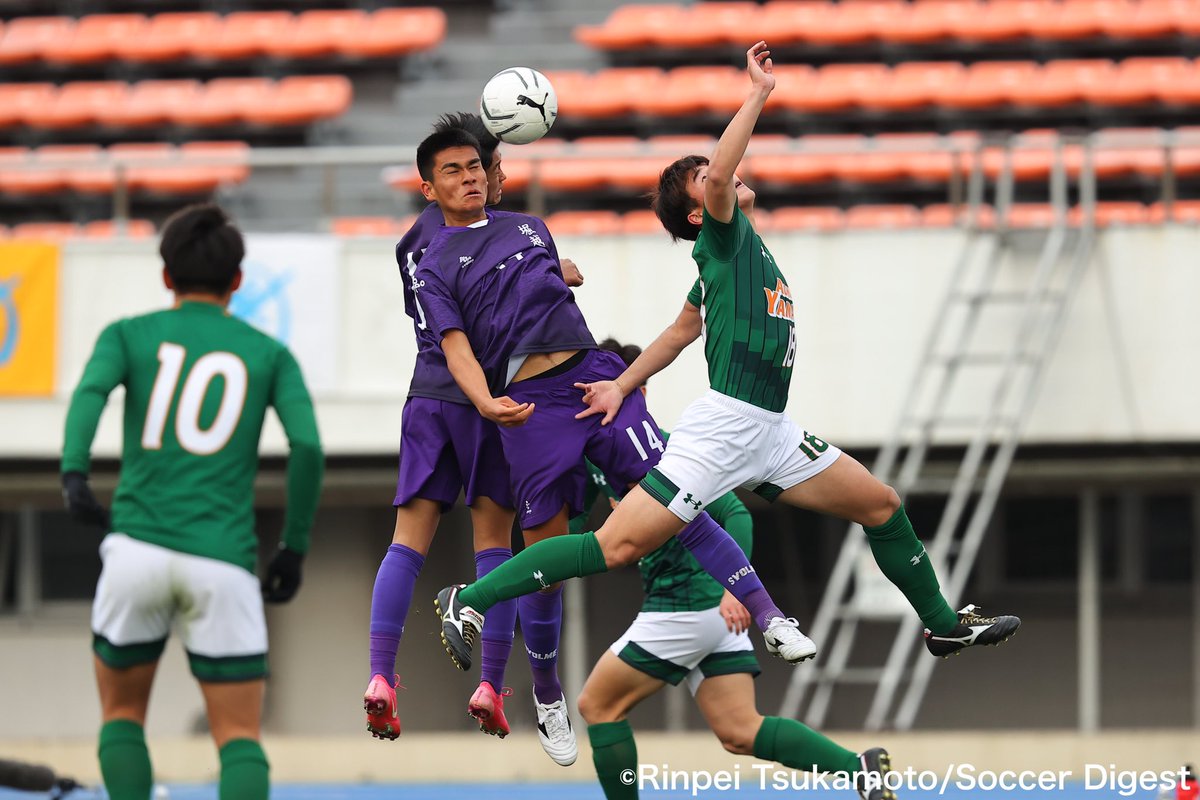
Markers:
point(708, 24)
point(170, 36)
point(1065, 82)
point(1070, 19)
point(999, 20)
point(718, 89)
point(234, 156)
point(642, 221)
point(1183, 88)
point(930, 21)
point(912, 85)
point(78, 104)
point(151, 103)
point(52, 164)
point(518, 172)
point(1030, 215)
point(790, 21)
point(852, 23)
point(944, 215)
point(807, 218)
point(225, 100)
point(95, 38)
point(632, 26)
point(102, 178)
point(188, 174)
point(11, 161)
point(246, 34)
point(355, 227)
point(25, 38)
point(1185, 18)
point(318, 33)
point(110, 229)
point(793, 168)
point(52, 232)
point(988, 84)
point(18, 100)
point(883, 216)
point(395, 31)
point(1112, 212)
point(1142, 80)
point(618, 91)
point(583, 223)
point(838, 86)
point(1183, 211)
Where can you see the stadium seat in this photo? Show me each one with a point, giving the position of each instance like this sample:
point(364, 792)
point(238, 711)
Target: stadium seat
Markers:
point(78, 104)
point(632, 26)
point(583, 223)
point(356, 227)
point(168, 37)
point(18, 100)
point(246, 34)
point(944, 215)
point(619, 91)
point(25, 38)
point(999, 20)
point(318, 33)
point(1182, 211)
point(688, 90)
point(709, 24)
point(395, 31)
point(988, 84)
point(151, 103)
point(838, 86)
point(1065, 82)
point(95, 38)
point(1070, 19)
point(1141, 80)
point(642, 221)
point(192, 172)
point(225, 100)
point(52, 162)
point(931, 21)
point(1111, 213)
point(102, 179)
point(807, 218)
point(883, 216)
point(53, 232)
point(1030, 215)
point(111, 229)
point(791, 22)
point(912, 85)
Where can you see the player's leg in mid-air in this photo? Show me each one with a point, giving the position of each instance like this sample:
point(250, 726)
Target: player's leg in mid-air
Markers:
point(846, 489)
point(445, 447)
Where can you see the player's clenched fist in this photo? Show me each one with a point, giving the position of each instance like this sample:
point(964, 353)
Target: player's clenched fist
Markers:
point(79, 500)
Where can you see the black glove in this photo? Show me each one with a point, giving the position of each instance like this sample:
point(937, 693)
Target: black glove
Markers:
point(79, 500)
point(283, 576)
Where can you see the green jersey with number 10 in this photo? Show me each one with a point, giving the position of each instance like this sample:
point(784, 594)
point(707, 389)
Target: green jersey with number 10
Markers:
point(197, 386)
point(749, 325)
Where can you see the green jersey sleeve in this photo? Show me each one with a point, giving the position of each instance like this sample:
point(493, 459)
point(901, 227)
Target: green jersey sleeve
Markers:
point(105, 370)
point(725, 240)
point(306, 465)
point(696, 295)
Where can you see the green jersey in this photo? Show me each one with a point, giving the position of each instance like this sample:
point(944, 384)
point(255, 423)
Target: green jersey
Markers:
point(672, 578)
point(197, 386)
point(749, 326)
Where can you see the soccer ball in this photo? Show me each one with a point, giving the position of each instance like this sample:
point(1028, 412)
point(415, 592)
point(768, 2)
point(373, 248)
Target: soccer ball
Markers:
point(518, 105)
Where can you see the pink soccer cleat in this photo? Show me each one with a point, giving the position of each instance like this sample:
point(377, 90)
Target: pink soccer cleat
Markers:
point(379, 701)
point(487, 708)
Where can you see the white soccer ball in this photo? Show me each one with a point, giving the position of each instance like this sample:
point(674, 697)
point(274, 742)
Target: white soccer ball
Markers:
point(518, 105)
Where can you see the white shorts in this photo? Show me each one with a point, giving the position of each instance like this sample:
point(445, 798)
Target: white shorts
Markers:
point(721, 443)
point(673, 645)
point(145, 588)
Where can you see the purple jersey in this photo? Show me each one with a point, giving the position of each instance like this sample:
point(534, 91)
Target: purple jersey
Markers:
point(502, 285)
point(430, 376)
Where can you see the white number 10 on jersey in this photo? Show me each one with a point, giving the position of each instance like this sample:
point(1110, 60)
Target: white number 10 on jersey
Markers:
point(187, 415)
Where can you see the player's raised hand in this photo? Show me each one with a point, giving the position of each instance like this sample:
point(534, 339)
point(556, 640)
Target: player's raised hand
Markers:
point(79, 500)
point(758, 64)
point(505, 411)
point(571, 274)
point(602, 397)
point(736, 617)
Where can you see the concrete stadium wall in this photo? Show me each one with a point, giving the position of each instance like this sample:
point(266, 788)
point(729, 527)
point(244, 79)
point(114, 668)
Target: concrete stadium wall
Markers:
point(864, 303)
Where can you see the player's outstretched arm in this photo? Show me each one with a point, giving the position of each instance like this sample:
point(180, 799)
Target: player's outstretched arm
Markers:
point(460, 358)
point(606, 397)
point(305, 471)
point(720, 196)
point(105, 370)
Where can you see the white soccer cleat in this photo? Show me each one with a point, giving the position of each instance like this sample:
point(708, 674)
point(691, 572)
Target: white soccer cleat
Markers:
point(555, 731)
point(784, 639)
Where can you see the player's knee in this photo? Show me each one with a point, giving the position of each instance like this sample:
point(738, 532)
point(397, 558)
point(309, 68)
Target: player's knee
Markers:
point(737, 739)
point(884, 505)
point(620, 554)
point(592, 710)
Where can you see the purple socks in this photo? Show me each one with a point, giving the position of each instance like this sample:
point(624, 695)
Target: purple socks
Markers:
point(389, 605)
point(721, 558)
point(498, 624)
point(541, 622)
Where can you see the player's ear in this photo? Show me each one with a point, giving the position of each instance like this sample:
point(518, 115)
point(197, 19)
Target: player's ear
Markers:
point(236, 283)
point(427, 190)
point(696, 217)
point(170, 284)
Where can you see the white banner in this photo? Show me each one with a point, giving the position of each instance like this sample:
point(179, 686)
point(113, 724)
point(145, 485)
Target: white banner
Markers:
point(290, 290)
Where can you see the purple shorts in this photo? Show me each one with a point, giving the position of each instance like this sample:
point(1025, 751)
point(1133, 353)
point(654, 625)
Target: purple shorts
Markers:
point(447, 448)
point(545, 455)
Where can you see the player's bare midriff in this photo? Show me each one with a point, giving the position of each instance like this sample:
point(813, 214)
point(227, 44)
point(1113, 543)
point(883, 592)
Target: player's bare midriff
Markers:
point(537, 363)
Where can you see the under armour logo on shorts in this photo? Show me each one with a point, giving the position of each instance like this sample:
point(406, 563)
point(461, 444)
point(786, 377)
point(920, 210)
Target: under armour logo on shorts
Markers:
point(694, 503)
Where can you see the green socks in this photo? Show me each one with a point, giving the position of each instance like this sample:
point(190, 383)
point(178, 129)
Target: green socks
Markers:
point(244, 771)
point(125, 761)
point(798, 746)
point(536, 567)
point(902, 558)
point(614, 752)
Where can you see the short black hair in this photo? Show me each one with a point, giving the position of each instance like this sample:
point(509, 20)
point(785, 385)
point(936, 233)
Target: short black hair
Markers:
point(202, 249)
point(627, 352)
point(438, 141)
point(472, 124)
point(671, 201)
